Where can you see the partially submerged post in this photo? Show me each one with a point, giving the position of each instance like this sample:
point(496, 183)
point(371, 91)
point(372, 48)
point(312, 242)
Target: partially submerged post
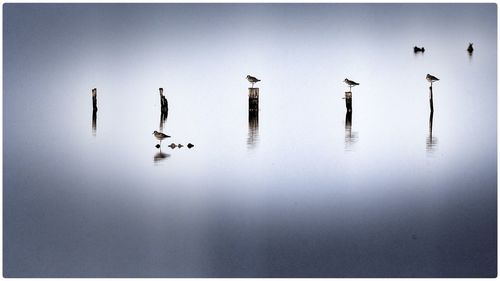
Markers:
point(431, 100)
point(253, 99)
point(163, 102)
point(94, 122)
point(94, 99)
point(348, 101)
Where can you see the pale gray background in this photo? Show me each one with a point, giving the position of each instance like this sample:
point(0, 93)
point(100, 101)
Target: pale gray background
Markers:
point(301, 199)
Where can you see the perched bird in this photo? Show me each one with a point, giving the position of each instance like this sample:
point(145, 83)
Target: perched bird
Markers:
point(160, 136)
point(252, 79)
point(350, 83)
point(431, 78)
point(470, 49)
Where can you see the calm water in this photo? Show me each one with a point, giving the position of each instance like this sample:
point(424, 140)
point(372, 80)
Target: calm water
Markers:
point(301, 190)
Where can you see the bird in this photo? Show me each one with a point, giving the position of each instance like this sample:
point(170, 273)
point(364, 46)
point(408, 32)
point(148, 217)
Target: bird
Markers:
point(172, 145)
point(417, 49)
point(431, 78)
point(470, 49)
point(160, 136)
point(350, 83)
point(180, 145)
point(252, 79)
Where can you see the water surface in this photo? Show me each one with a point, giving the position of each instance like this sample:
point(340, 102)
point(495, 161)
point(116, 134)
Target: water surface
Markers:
point(300, 189)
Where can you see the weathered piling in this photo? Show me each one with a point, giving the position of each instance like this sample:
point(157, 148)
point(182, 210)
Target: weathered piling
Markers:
point(431, 100)
point(94, 122)
point(94, 99)
point(253, 99)
point(348, 101)
point(163, 102)
point(163, 119)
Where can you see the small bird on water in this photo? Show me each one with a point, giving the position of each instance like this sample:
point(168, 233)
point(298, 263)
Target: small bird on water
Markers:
point(160, 136)
point(431, 78)
point(350, 83)
point(470, 49)
point(252, 79)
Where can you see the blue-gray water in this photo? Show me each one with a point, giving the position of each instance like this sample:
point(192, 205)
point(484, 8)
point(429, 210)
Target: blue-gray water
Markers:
point(298, 193)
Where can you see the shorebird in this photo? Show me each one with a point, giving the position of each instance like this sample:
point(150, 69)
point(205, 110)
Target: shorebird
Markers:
point(160, 136)
point(252, 79)
point(350, 83)
point(431, 78)
point(470, 49)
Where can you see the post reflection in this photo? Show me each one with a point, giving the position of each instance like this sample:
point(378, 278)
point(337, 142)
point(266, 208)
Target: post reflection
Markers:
point(253, 129)
point(350, 136)
point(431, 142)
point(94, 122)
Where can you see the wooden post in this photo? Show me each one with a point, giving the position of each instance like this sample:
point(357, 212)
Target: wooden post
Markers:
point(163, 102)
point(94, 99)
point(253, 99)
point(348, 101)
point(94, 122)
point(431, 100)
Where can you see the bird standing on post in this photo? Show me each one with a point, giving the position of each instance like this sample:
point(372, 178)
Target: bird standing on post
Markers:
point(252, 79)
point(350, 83)
point(431, 78)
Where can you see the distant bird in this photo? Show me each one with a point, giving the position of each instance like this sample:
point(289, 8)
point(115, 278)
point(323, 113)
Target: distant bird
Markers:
point(190, 145)
point(417, 49)
point(350, 83)
point(160, 136)
point(172, 145)
point(470, 49)
point(180, 145)
point(431, 78)
point(252, 79)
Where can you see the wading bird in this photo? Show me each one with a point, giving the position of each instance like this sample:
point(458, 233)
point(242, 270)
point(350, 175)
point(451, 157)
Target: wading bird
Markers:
point(160, 136)
point(350, 83)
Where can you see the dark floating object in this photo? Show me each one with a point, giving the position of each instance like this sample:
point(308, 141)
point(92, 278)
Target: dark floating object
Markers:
point(252, 79)
point(157, 146)
point(190, 145)
point(180, 145)
point(418, 50)
point(172, 145)
point(470, 49)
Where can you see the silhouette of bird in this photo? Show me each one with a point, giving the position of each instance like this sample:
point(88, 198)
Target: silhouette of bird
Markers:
point(252, 79)
point(431, 78)
point(350, 83)
point(417, 49)
point(470, 49)
point(160, 136)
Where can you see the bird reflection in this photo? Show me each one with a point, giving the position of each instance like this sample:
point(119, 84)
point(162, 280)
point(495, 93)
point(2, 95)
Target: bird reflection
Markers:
point(159, 156)
point(431, 141)
point(350, 136)
point(253, 129)
point(94, 122)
